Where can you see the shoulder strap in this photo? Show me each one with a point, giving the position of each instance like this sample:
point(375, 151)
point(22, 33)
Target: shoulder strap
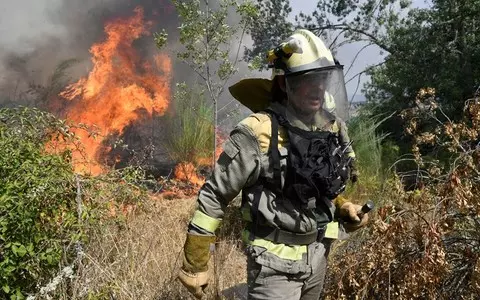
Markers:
point(273, 150)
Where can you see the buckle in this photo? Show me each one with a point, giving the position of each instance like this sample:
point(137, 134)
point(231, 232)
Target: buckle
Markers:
point(321, 233)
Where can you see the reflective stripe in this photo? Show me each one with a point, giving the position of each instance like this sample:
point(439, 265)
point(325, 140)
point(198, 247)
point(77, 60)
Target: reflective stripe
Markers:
point(335, 127)
point(204, 221)
point(281, 250)
point(332, 230)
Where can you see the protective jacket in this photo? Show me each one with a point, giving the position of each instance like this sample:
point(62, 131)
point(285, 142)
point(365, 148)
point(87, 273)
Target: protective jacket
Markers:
point(244, 165)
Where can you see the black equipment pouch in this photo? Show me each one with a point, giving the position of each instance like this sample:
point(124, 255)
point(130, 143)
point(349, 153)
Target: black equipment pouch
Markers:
point(317, 168)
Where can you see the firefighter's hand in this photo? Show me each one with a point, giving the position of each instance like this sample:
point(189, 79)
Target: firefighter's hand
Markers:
point(353, 216)
point(194, 282)
point(194, 272)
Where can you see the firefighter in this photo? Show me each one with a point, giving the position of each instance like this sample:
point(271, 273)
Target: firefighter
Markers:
point(290, 160)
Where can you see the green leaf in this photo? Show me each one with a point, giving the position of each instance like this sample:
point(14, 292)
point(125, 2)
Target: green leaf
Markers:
point(9, 269)
point(6, 289)
point(160, 38)
point(19, 250)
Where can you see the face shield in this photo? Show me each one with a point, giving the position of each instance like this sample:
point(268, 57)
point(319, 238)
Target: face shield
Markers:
point(321, 89)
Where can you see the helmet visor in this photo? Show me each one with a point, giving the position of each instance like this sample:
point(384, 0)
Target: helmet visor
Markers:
point(322, 89)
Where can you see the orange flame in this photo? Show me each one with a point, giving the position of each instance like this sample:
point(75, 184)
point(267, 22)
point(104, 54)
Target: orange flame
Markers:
point(119, 88)
point(188, 172)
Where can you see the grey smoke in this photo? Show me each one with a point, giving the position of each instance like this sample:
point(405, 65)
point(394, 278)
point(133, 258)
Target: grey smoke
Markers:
point(36, 35)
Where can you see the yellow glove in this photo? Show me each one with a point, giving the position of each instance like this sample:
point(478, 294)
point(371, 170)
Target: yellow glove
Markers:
point(195, 282)
point(353, 216)
point(194, 274)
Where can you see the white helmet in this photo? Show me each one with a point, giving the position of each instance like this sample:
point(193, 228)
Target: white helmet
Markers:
point(305, 58)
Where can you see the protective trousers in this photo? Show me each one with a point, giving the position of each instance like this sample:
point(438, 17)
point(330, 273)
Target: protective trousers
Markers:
point(265, 283)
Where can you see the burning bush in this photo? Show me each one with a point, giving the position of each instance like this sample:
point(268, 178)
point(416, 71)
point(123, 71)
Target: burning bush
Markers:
point(425, 243)
point(120, 90)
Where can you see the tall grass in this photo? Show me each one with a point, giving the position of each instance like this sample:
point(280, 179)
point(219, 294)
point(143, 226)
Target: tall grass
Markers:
point(140, 259)
point(372, 154)
point(191, 133)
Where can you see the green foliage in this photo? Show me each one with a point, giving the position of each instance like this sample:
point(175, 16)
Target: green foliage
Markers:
point(46, 209)
point(447, 60)
point(191, 135)
point(38, 217)
point(367, 144)
point(160, 38)
point(269, 27)
point(207, 33)
point(373, 158)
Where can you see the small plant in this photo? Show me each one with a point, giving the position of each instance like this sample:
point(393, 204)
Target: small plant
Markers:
point(370, 159)
point(192, 129)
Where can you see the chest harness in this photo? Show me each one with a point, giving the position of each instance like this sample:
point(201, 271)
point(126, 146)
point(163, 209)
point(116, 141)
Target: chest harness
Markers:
point(316, 173)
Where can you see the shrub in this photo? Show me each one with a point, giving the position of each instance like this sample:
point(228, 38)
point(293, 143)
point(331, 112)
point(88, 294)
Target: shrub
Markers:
point(39, 224)
point(46, 210)
point(424, 243)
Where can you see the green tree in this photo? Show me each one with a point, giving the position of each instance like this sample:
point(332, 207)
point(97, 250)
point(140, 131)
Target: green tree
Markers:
point(267, 29)
point(206, 33)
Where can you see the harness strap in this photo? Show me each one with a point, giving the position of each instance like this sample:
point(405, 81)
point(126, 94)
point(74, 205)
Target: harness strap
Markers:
point(280, 236)
point(254, 213)
point(273, 149)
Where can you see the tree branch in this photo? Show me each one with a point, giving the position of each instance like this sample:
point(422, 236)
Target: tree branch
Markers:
point(356, 89)
point(346, 27)
point(356, 56)
point(364, 71)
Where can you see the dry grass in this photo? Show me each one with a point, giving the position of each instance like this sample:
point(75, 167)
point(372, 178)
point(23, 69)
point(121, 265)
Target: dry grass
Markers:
point(139, 259)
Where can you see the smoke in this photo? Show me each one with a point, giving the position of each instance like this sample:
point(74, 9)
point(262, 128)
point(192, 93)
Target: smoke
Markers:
point(35, 36)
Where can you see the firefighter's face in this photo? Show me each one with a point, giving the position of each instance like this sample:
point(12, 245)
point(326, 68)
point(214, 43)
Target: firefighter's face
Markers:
point(306, 93)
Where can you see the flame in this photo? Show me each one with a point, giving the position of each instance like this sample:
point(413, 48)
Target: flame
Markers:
point(118, 90)
point(188, 171)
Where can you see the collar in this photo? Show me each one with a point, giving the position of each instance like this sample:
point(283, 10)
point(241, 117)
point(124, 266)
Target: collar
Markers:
point(322, 119)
